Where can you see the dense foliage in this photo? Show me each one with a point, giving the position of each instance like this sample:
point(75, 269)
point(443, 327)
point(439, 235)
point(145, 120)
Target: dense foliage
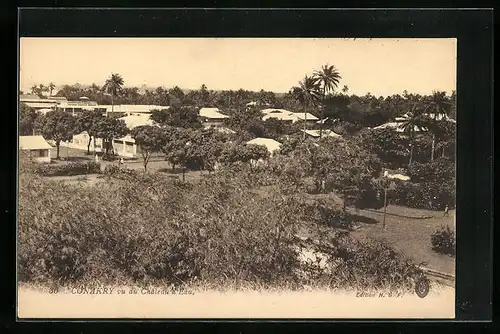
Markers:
point(443, 241)
point(213, 232)
point(72, 168)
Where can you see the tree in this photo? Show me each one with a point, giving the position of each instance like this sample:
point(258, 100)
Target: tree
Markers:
point(204, 148)
point(41, 89)
point(51, 87)
point(88, 121)
point(34, 89)
point(328, 78)
point(174, 146)
point(184, 117)
point(347, 168)
point(150, 139)
point(274, 128)
point(178, 149)
point(307, 94)
point(387, 144)
point(439, 105)
point(233, 154)
point(257, 152)
point(27, 119)
point(178, 95)
point(57, 126)
point(205, 95)
point(414, 122)
point(108, 129)
point(113, 86)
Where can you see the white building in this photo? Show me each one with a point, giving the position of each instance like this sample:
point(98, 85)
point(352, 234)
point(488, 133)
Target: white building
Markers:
point(211, 117)
point(398, 127)
point(81, 140)
point(38, 103)
point(126, 146)
point(324, 134)
point(128, 109)
point(271, 145)
point(37, 146)
point(288, 116)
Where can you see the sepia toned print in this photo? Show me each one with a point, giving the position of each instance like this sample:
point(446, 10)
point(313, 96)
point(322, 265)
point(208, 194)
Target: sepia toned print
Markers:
point(236, 178)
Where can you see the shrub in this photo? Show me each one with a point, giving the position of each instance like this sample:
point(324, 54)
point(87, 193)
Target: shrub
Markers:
point(323, 213)
point(364, 265)
point(156, 229)
point(150, 229)
point(374, 264)
point(439, 170)
point(443, 241)
point(70, 169)
point(428, 195)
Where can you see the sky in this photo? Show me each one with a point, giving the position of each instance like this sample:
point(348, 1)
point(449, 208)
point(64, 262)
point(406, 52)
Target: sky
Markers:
point(379, 66)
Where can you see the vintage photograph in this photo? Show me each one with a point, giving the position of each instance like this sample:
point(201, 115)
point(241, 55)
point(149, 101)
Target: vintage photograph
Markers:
point(236, 178)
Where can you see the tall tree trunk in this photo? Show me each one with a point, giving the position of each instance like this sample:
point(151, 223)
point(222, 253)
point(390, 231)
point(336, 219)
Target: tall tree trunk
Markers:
point(112, 105)
point(88, 145)
point(433, 146)
point(322, 114)
point(183, 173)
point(411, 154)
point(58, 143)
point(305, 121)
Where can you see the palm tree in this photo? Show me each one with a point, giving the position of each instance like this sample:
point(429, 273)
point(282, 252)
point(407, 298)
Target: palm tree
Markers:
point(438, 105)
point(328, 77)
point(307, 93)
point(113, 86)
point(414, 121)
point(51, 87)
point(41, 89)
point(34, 89)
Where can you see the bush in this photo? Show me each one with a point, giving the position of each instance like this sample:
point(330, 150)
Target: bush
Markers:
point(439, 170)
point(428, 195)
point(155, 229)
point(150, 229)
point(70, 169)
point(322, 213)
point(443, 241)
point(364, 265)
point(374, 264)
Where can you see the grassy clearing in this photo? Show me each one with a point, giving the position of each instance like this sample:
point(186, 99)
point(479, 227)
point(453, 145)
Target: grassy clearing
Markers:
point(409, 235)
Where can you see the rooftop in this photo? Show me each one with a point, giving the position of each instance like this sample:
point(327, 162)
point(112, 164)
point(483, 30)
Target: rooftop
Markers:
point(397, 126)
point(129, 108)
point(33, 143)
point(326, 133)
point(212, 113)
point(133, 121)
point(271, 144)
point(40, 105)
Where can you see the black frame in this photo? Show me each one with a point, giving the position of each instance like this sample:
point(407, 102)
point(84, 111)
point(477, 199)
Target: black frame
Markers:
point(473, 28)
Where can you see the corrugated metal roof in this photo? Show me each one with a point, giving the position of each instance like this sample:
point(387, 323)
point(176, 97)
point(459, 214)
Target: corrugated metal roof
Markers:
point(302, 116)
point(326, 133)
point(275, 111)
point(212, 113)
point(397, 127)
point(131, 108)
point(271, 144)
point(40, 105)
point(33, 143)
point(133, 121)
